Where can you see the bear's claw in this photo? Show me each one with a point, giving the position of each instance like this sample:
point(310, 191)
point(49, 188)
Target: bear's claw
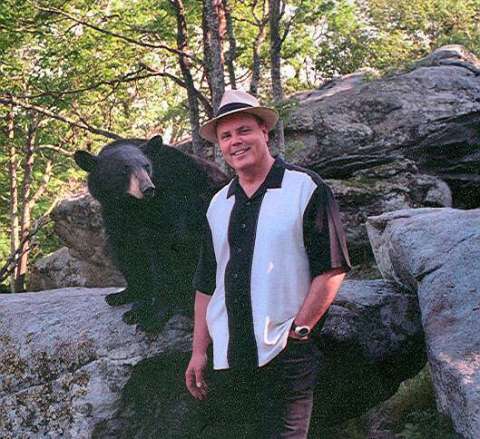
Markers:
point(134, 315)
point(121, 298)
point(155, 321)
point(150, 315)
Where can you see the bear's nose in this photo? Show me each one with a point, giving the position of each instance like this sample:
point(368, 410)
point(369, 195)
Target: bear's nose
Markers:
point(149, 192)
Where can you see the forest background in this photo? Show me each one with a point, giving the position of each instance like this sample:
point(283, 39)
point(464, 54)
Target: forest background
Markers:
point(76, 74)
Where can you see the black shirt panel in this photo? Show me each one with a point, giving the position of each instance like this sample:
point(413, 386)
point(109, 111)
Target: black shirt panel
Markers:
point(204, 279)
point(242, 347)
point(324, 236)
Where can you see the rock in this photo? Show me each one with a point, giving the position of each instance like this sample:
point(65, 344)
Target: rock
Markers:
point(69, 366)
point(86, 259)
point(373, 341)
point(429, 114)
point(65, 357)
point(61, 269)
point(436, 252)
point(384, 188)
point(78, 224)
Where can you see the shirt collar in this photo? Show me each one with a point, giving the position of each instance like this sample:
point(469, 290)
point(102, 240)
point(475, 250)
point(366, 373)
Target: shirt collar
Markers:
point(273, 180)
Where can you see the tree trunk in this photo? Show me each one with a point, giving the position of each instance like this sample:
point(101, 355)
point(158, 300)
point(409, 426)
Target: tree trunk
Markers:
point(214, 27)
point(231, 54)
point(200, 147)
point(12, 169)
point(276, 12)
point(26, 208)
point(257, 61)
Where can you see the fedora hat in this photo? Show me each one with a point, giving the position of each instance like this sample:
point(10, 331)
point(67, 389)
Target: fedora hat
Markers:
point(238, 101)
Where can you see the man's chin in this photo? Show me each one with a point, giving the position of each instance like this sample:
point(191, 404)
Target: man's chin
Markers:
point(241, 163)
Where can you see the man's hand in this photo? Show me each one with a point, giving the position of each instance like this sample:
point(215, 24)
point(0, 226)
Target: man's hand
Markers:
point(194, 379)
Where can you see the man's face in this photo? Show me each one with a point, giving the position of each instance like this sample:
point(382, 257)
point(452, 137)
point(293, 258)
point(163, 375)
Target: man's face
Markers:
point(243, 141)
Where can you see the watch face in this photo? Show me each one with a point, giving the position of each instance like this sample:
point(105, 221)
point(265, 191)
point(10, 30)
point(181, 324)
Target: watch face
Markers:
point(302, 331)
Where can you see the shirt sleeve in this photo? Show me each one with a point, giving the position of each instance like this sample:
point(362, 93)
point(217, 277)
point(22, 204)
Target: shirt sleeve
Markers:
point(324, 236)
point(204, 279)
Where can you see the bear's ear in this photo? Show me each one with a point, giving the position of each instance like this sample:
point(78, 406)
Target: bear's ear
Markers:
point(156, 141)
point(155, 144)
point(85, 160)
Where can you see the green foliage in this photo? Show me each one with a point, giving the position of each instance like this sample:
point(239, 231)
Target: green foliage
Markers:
point(78, 64)
point(409, 414)
point(384, 34)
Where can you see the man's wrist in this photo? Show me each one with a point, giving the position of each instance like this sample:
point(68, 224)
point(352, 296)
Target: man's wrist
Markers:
point(199, 353)
point(300, 331)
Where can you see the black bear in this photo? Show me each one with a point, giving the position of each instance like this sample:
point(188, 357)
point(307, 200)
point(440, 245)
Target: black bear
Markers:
point(153, 198)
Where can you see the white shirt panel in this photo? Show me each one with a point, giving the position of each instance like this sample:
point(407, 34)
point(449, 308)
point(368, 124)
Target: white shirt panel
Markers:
point(280, 278)
point(218, 216)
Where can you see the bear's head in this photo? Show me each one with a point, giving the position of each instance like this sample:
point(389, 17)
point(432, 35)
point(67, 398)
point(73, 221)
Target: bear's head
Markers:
point(121, 171)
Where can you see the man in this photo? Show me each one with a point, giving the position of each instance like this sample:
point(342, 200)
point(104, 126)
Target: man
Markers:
point(273, 259)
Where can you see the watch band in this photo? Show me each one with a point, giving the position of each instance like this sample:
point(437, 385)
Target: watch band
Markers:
point(301, 330)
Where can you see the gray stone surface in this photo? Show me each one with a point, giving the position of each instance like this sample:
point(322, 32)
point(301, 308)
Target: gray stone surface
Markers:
point(436, 252)
point(429, 114)
point(60, 270)
point(65, 356)
point(70, 368)
point(85, 260)
point(384, 188)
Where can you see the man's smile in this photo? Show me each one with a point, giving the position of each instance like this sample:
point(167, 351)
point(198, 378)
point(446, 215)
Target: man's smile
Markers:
point(240, 152)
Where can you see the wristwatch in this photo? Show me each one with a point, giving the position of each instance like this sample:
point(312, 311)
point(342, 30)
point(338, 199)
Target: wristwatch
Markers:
point(301, 331)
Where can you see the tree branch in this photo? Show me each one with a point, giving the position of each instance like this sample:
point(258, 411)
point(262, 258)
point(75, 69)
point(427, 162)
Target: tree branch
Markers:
point(56, 149)
point(127, 77)
point(43, 184)
point(116, 35)
point(10, 100)
point(12, 259)
point(200, 96)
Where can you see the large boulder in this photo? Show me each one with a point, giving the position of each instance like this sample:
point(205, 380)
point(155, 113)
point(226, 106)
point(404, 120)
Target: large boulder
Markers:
point(85, 260)
point(60, 269)
point(69, 366)
point(429, 114)
point(65, 356)
point(436, 252)
point(384, 188)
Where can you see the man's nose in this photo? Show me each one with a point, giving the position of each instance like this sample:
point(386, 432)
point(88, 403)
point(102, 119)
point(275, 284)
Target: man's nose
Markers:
point(236, 139)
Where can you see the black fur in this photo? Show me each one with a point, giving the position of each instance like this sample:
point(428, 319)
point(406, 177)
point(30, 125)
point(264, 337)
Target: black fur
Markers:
point(154, 241)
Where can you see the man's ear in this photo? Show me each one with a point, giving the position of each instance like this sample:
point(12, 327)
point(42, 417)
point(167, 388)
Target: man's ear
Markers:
point(265, 132)
point(85, 160)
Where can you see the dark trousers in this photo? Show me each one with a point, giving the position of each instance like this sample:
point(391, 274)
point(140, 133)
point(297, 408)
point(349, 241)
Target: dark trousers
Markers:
point(270, 402)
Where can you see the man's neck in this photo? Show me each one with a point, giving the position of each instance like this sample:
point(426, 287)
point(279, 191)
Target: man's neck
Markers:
point(250, 180)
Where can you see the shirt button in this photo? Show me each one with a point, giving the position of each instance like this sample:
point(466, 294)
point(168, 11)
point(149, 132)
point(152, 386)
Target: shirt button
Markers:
point(248, 203)
point(239, 250)
point(235, 275)
point(243, 226)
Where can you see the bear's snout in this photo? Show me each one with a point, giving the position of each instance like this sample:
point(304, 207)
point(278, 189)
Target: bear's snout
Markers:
point(140, 185)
